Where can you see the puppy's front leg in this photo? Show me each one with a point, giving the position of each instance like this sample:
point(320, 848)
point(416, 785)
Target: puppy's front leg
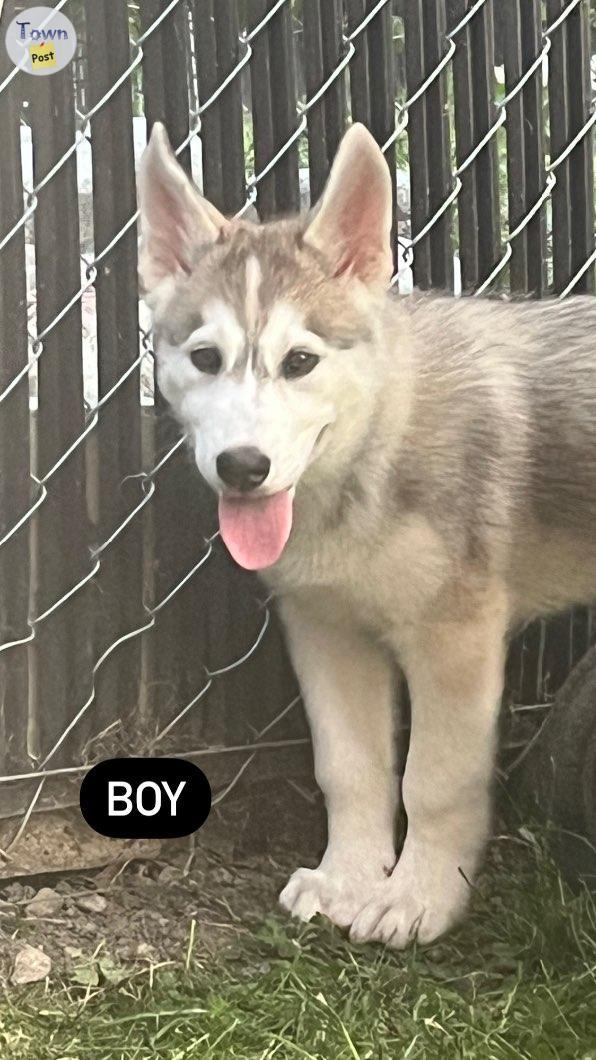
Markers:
point(347, 687)
point(455, 677)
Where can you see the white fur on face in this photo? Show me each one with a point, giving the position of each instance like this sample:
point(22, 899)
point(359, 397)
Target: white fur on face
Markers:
point(254, 406)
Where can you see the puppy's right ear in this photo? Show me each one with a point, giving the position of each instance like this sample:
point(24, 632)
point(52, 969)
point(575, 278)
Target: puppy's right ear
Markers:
point(175, 218)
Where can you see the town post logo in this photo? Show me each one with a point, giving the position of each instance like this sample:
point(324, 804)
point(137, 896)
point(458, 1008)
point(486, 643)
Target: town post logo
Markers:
point(41, 40)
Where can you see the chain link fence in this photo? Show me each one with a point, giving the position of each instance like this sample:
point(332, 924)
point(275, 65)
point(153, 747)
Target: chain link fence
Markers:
point(124, 627)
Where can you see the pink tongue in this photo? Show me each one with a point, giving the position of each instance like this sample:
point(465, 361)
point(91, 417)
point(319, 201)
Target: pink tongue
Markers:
point(256, 531)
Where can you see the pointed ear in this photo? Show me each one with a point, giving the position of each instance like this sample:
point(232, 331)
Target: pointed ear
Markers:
point(175, 218)
point(353, 221)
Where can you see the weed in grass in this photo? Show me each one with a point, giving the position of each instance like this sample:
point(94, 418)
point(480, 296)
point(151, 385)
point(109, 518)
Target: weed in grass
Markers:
point(518, 980)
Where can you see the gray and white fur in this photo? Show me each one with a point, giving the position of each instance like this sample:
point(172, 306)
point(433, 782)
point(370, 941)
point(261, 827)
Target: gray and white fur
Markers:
point(442, 458)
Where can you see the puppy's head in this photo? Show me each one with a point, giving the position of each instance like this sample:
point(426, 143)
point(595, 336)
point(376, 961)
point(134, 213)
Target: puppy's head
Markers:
point(262, 331)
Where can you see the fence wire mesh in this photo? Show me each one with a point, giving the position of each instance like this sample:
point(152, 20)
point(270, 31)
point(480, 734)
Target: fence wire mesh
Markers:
point(256, 96)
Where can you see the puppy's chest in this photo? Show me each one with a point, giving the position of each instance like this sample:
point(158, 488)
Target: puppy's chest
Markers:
point(383, 578)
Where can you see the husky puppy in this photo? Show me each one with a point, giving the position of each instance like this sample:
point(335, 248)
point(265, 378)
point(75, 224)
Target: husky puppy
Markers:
point(413, 476)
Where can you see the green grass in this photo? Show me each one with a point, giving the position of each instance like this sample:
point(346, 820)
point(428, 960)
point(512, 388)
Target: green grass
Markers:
point(518, 980)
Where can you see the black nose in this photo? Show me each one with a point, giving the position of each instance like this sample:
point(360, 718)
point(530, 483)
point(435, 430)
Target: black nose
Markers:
point(243, 468)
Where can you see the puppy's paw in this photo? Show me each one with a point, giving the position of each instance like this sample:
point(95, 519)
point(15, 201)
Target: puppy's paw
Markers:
point(337, 894)
point(408, 907)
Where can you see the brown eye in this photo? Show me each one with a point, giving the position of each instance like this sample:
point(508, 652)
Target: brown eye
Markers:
point(298, 363)
point(207, 359)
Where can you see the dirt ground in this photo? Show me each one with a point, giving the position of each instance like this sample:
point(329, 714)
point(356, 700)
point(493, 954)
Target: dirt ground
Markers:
point(204, 892)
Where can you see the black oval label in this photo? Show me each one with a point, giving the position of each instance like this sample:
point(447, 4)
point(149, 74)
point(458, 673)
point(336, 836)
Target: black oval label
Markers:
point(145, 798)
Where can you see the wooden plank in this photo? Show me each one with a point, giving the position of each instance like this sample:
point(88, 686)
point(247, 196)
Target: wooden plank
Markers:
point(229, 105)
point(581, 160)
point(486, 166)
point(15, 492)
point(359, 66)
point(381, 65)
point(419, 204)
point(438, 146)
point(318, 159)
point(525, 144)
point(474, 114)
point(335, 96)
point(285, 119)
point(569, 107)
point(467, 202)
point(558, 105)
point(173, 651)
point(61, 535)
point(165, 73)
point(429, 143)
point(117, 438)
point(207, 74)
point(262, 113)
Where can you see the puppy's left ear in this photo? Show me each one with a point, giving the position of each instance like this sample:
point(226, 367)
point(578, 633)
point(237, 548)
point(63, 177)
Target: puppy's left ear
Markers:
point(352, 225)
point(175, 217)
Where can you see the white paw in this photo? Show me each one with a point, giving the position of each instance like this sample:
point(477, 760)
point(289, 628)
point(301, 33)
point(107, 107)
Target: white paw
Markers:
point(410, 906)
point(337, 894)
